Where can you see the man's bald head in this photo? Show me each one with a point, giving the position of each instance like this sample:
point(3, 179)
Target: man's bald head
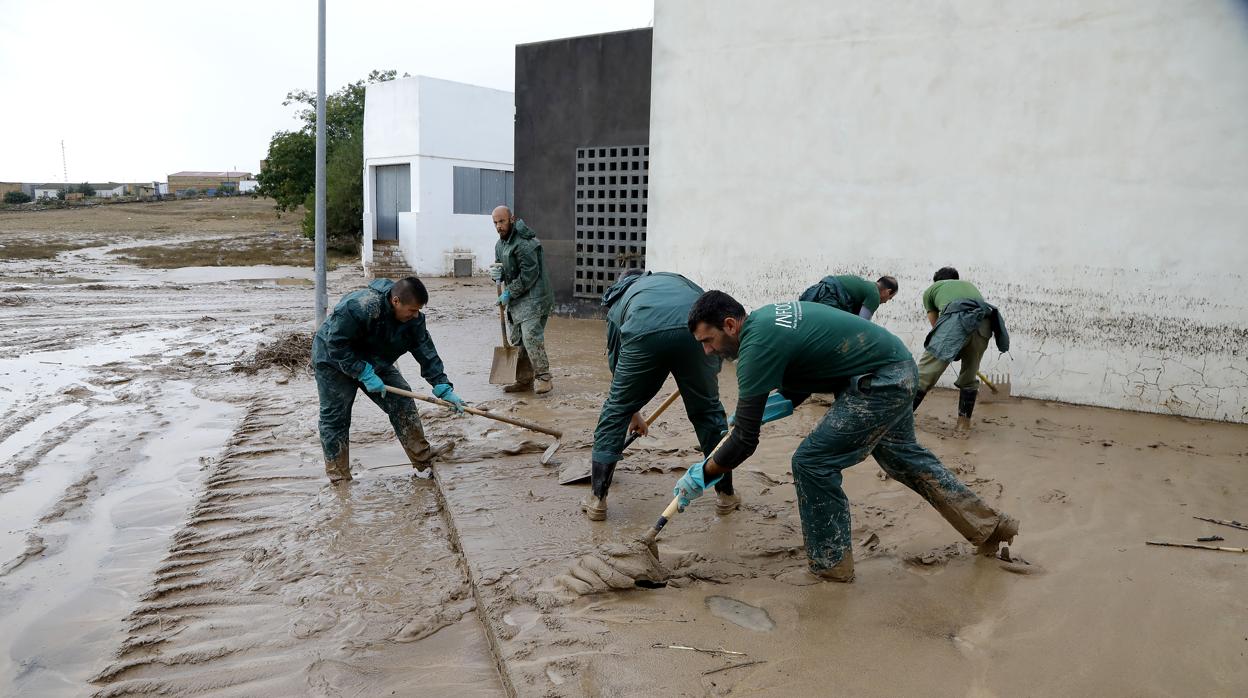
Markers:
point(502, 221)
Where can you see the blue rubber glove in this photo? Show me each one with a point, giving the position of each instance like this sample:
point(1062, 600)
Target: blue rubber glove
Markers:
point(505, 298)
point(370, 380)
point(496, 272)
point(692, 484)
point(444, 392)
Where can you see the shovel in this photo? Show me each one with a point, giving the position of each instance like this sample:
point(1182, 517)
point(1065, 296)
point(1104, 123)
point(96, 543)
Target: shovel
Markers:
point(506, 358)
point(777, 408)
point(546, 456)
point(574, 473)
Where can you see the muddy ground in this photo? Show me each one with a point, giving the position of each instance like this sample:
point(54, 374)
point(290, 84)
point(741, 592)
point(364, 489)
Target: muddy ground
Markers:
point(168, 529)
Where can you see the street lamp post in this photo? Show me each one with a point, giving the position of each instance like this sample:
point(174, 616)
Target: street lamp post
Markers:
point(322, 296)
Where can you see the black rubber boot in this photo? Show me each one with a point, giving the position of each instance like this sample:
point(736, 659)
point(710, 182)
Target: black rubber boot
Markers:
point(966, 402)
point(600, 478)
point(918, 397)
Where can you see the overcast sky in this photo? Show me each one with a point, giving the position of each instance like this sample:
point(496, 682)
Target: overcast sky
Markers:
point(138, 89)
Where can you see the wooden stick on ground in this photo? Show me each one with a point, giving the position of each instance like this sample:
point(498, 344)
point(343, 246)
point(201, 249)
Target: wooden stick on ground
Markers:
point(1232, 524)
point(734, 666)
point(660, 645)
point(1198, 547)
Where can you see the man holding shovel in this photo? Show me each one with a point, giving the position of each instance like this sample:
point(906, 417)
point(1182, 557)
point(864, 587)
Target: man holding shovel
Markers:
point(526, 295)
point(356, 347)
point(802, 348)
point(962, 322)
point(853, 294)
point(646, 341)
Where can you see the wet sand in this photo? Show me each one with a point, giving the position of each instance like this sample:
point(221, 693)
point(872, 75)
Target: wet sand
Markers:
point(168, 530)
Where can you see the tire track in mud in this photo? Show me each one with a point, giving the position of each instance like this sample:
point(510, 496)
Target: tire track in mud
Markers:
point(279, 583)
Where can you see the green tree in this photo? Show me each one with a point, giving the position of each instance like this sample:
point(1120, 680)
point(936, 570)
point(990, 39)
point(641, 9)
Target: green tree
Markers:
point(289, 176)
point(290, 172)
point(344, 199)
point(85, 189)
point(16, 197)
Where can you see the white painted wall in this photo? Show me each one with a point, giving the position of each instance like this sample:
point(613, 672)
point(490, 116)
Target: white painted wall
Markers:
point(1084, 163)
point(46, 193)
point(434, 125)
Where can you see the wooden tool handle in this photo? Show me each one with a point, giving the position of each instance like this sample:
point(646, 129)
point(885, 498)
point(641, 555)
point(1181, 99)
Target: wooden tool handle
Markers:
point(987, 382)
point(633, 436)
point(480, 413)
point(502, 317)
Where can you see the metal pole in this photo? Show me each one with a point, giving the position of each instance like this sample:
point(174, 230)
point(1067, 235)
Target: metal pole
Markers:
point(322, 296)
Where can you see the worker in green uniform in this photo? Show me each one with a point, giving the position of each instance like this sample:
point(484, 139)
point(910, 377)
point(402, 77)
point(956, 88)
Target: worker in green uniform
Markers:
point(647, 341)
point(962, 323)
point(527, 296)
point(356, 347)
point(853, 294)
point(802, 348)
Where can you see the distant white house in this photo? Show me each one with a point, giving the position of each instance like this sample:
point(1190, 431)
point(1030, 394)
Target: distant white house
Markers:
point(103, 190)
point(437, 160)
point(248, 185)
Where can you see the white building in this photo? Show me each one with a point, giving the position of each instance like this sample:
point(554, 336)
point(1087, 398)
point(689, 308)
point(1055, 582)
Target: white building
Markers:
point(48, 191)
point(1085, 164)
point(437, 160)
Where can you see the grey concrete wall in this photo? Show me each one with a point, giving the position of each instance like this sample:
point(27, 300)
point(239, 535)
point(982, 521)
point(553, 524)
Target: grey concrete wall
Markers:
point(581, 91)
point(1084, 163)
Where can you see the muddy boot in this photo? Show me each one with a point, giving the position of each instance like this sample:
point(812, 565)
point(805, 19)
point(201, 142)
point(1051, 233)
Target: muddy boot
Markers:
point(918, 397)
point(435, 452)
point(842, 571)
point(595, 508)
point(726, 503)
point(524, 375)
point(339, 469)
point(543, 385)
point(1007, 528)
point(966, 406)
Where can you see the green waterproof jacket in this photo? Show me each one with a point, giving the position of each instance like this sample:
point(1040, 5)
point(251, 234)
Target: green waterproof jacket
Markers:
point(642, 305)
point(363, 329)
point(524, 274)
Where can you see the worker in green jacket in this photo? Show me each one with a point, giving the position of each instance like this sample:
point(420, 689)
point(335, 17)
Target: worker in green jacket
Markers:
point(962, 323)
point(528, 297)
point(647, 340)
point(802, 348)
point(356, 347)
point(853, 294)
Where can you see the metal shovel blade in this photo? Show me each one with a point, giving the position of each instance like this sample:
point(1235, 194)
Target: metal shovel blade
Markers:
point(998, 388)
point(574, 473)
point(506, 363)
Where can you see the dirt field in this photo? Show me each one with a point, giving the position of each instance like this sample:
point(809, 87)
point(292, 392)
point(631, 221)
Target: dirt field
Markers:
point(168, 529)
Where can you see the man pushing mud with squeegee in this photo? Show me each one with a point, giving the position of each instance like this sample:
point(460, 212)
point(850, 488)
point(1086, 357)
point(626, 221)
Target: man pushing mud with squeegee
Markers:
point(801, 348)
point(356, 347)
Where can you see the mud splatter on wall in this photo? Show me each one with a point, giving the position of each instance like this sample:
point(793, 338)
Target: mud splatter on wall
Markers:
point(1085, 165)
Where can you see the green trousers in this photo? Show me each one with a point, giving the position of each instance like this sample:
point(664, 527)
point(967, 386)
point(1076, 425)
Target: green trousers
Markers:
point(337, 393)
point(931, 368)
point(873, 416)
point(530, 336)
point(642, 367)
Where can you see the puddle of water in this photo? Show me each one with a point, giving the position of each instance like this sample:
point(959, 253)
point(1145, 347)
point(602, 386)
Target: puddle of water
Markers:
point(740, 613)
point(45, 280)
point(62, 610)
point(30, 433)
point(271, 274)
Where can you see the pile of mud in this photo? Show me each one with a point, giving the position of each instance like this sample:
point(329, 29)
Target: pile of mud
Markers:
point(292, 352)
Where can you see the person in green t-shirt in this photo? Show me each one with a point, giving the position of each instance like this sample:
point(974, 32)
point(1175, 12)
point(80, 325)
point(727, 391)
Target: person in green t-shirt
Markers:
point(646, 342)
point(801, 348)
point(853, 294)
point(962, 323)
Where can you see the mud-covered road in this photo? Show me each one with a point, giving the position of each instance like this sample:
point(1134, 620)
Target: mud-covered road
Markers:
point(167, 528)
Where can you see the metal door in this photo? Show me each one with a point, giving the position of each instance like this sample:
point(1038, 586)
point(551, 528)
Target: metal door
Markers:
point(393, 187)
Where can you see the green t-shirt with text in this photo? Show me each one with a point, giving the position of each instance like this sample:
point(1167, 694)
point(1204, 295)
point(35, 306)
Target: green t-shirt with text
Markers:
point(942, 293)
point(862, 292)
point(805, 347)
